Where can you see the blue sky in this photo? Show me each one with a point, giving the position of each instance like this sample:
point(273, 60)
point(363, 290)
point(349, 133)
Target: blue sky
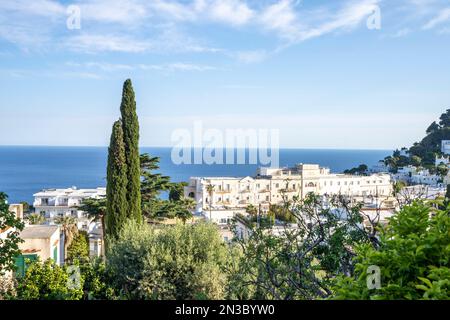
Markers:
point(311, 69)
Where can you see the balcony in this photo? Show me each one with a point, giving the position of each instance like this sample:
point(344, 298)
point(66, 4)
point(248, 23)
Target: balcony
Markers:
point(223, 191)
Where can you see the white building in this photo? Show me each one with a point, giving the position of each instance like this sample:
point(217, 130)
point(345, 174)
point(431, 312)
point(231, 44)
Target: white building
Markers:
point(54, 203)
point(424, 177)
point(380, 167)
point(405, 174)
point(232, 195)
point(445, 146)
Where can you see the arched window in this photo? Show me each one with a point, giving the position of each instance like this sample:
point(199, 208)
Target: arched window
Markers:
point(191, 195)
point(310, 185)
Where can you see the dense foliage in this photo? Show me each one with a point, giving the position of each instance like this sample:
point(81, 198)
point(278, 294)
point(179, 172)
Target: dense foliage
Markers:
point(180, 262)
point(79, 248)
point(301, 262)
point(423, 153)
point(11, 226)
point(47, 281)
point(413, 257)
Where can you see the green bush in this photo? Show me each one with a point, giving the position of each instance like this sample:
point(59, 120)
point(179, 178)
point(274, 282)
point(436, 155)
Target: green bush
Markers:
point(180, 262)
point(413, 259)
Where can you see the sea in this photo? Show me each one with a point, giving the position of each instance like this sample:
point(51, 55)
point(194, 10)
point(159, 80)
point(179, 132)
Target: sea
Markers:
point(25, 170)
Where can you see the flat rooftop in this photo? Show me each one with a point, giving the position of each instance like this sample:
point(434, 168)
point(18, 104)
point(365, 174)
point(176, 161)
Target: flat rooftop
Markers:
point(38, 232)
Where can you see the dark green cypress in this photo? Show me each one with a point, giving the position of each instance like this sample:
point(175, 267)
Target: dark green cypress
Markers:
point(130, 125)
point(116, 187)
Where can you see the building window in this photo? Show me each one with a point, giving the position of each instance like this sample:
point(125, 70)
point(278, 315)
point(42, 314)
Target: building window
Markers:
point(277, 185)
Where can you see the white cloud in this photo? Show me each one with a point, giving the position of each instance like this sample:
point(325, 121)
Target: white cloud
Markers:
point(92, 43)
point(116, 11)
point(46, 8)
point(349, 17)
point(235, 12)
point(281, 17)
point(168, 67)
point(443, 16)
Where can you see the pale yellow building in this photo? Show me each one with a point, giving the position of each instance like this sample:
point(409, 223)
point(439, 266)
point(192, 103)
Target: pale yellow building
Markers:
point(232, 195)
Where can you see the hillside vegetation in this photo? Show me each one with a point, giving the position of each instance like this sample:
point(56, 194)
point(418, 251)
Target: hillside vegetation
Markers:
point(423, 153)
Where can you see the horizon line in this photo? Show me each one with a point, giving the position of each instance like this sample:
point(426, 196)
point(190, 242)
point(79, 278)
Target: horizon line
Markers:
point(168, 147)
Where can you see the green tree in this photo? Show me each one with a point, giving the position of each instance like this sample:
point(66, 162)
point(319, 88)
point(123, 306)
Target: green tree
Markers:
point(9, 245)
point(79, 248)
point(251, 210)
point(130, 126)
point(301, 262)
point(416, 161)
point(35, 218)
point(185, 206)
point(47, 281)
point(176, 192)
point(442, 170)
point(152, 185)
point(69, 229)
point(413, 257)
point(96, 281)
point(95, 208)
point(116, 187)
point(180, 262)
point(433, 127)
point(445, 119)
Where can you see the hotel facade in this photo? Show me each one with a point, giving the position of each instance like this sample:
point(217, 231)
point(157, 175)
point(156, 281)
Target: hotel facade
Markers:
point(53, 203)
point(231, 195)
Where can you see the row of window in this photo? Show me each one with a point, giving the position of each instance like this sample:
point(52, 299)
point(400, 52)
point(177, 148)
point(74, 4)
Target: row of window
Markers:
point(294, 185)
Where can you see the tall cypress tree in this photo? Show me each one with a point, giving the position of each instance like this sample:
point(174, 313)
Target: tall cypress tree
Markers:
point(116, 187)
point(130, 125)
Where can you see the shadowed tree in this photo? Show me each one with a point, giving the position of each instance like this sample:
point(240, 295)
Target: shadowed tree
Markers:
point(130, 126)
point(116, 187)
point(70, 230)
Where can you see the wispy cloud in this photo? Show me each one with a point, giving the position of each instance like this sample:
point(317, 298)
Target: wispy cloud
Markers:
point(443, 16)
point(92, 43)
point(171, 26)
point(166, 67)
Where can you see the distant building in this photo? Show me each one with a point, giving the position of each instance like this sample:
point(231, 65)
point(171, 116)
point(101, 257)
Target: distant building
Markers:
point(232, 195)
point(424, 177)
point(380, 167)
point(445, 146)
point(405, 174)
point(54, 203)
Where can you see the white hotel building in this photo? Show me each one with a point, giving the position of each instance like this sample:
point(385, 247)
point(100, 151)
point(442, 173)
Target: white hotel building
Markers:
point(232, 195)
point(54, 203)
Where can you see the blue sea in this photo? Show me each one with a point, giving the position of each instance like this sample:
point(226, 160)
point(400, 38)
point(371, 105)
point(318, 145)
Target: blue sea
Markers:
point(26, 170)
